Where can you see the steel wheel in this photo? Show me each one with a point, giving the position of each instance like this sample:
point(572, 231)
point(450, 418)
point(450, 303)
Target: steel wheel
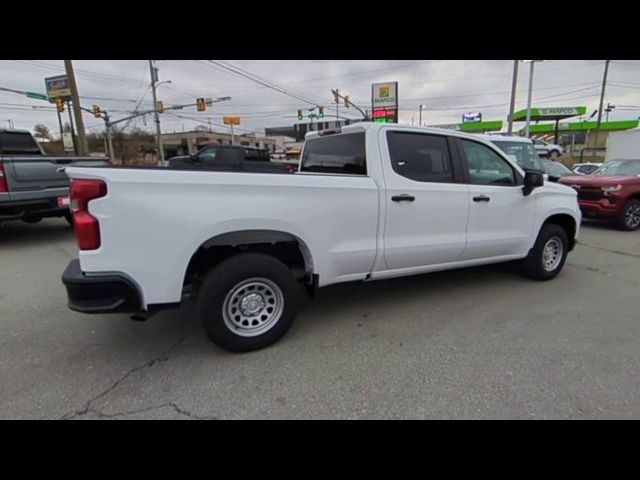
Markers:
point(252, 307)
point(552, 254)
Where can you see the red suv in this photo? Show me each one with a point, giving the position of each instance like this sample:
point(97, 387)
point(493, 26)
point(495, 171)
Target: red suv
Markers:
point(612, 191)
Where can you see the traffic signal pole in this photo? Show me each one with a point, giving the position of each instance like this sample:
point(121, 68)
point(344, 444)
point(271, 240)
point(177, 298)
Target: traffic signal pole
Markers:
point(82, 148)
point(154, 81)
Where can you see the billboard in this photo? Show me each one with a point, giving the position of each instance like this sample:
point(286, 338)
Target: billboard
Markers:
point(58, 87)
point(471, 117)
point(384, 102)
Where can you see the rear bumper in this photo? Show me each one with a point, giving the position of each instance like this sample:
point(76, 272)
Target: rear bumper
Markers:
point(112, 293)
point(603, 208)
point(46, 207)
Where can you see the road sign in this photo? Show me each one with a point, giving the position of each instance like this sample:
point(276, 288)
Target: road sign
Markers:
point(58, 87)
point(37, 96)
point(384, 102)
point(231, 120)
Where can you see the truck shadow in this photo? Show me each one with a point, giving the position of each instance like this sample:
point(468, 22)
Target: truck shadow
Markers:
point(17, 233)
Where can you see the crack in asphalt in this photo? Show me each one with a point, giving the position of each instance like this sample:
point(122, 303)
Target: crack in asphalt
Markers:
point(618, 252)
point(172, 405)
point(603, 272)
point(88, 408)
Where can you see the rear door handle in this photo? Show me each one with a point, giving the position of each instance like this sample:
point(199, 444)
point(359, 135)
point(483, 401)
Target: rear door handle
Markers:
point(403, 198)
point(481, 198)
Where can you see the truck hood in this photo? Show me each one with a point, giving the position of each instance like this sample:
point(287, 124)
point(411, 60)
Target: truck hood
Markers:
point(553, 187)
point(598, 181)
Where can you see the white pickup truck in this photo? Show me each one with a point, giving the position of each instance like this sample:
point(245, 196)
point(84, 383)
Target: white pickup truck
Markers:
point(371, 201)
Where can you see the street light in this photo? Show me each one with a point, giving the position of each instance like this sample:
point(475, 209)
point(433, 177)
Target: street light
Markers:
point(528, 125)
point(420, 117)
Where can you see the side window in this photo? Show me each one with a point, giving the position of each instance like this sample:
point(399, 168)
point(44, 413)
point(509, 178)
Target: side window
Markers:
point(485, 166)
point(420, 157)
point(345, 154)
point(208, 155)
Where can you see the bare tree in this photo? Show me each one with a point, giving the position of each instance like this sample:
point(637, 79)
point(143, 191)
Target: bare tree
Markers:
point(42, 131)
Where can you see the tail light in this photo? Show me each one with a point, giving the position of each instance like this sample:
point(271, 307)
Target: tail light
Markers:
point(86, 225)
point(4, 188)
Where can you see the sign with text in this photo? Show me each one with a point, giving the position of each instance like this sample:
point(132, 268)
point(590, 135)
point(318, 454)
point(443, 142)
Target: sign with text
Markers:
point(471, 117)
point(384, 102)
point(58, 87)
point(231, 120)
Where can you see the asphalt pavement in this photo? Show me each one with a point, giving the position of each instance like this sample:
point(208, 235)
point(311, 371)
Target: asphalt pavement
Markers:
point(479, 343)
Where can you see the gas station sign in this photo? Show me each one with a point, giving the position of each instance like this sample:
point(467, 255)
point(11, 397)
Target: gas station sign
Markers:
point(384, 102)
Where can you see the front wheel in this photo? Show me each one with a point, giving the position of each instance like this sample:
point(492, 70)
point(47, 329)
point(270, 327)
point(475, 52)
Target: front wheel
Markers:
point(248, 302)
point(554, 154)
point(630, 217)
point(547, 257)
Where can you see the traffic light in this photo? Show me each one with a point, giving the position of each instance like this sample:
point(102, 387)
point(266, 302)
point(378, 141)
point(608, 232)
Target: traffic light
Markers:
point(321, 112)
point(300, 116)
point(60, 105)
point(96, 111)
point(160, 106)
point(347, 101)
point(336, 95)
point(202, 104)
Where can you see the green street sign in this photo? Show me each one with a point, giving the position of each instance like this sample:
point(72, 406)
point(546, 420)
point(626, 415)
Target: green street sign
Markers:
point(37, 96)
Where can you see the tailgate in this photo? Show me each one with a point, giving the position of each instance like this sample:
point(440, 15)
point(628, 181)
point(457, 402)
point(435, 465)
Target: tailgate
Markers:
point(43, 172)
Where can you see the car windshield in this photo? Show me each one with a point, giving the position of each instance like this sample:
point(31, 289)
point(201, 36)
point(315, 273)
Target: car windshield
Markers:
point(523, 153)
point(555, 168)
point(619, 167)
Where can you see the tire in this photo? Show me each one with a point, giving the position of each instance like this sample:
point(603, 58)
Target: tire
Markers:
point(69, 218)
point(554, 153)
point(248, 302)
point(28, 219)
point(539, 267)
point(629, 219)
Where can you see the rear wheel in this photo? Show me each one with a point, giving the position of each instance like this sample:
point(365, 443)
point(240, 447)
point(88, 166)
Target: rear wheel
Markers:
point(547, 257)
point(630, 217)
point(554, 153)
point(31, 219)
point(248, 302)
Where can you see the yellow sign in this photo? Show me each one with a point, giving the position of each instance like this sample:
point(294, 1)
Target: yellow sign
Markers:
point(231, 120)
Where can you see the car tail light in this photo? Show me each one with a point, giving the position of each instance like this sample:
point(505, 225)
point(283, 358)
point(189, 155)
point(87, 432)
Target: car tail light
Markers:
point(86, 225)
point(3, 181)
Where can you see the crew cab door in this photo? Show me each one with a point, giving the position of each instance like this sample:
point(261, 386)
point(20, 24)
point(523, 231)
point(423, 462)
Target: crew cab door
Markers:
point(501, 218)
point(426, 201)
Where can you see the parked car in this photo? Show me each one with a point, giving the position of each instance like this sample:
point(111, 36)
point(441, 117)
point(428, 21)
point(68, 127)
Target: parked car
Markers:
point(555, 169)
point(229, 158)
point(611, 192)
point(519, 149)
point(546, 149)
point(32, 184)
point(585, 168)
point(370, 201)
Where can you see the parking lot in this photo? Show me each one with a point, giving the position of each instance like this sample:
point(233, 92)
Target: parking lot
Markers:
point(478, 343)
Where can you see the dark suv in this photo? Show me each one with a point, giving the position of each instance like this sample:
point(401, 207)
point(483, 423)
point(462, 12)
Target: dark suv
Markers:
point(230, 158)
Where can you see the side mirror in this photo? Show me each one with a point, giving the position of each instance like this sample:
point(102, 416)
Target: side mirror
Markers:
point(532, 180)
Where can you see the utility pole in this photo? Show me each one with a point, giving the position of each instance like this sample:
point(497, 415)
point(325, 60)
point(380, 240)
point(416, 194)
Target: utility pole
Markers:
point(528, 126)
point(604, 85)
point(512, 106)
point(154, 80)
point(420, 118)
point(82, 147)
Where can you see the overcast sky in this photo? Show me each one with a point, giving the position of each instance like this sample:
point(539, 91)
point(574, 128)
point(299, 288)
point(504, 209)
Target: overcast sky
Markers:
point(448, 88)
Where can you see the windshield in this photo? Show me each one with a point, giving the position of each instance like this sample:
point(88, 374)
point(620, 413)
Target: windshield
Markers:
point(555, 168)
point(619, 167)
point(523, 153)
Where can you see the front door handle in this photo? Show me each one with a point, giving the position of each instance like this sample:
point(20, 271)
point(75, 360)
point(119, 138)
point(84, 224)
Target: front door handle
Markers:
point(481, 198)
point(403, 198)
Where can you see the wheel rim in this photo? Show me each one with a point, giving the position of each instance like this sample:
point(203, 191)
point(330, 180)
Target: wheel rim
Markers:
point(552, 254)
point(253, 307)
point(632, 216)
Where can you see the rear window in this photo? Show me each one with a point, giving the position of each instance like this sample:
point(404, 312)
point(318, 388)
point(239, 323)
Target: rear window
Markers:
point(335, 154)
point(16, 143)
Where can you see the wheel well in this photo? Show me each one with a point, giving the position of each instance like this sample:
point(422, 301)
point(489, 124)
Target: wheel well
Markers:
point(567, 223)
point(287, 248)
